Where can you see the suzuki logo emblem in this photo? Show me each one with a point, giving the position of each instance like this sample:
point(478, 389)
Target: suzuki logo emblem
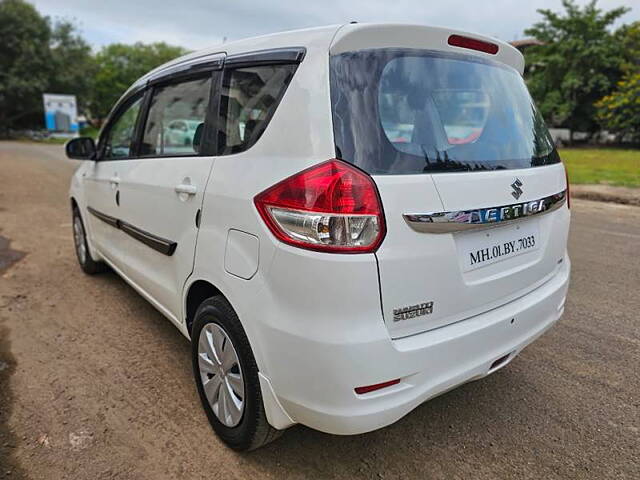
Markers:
point(517, 191)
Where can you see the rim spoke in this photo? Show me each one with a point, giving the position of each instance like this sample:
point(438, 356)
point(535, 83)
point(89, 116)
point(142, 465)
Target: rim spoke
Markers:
point(212, 388)
point(228, 357)
point(206, 345)
point(236, 384)
point(206, 364)
point(217, 341)
point(234, 405)
point(222, 405)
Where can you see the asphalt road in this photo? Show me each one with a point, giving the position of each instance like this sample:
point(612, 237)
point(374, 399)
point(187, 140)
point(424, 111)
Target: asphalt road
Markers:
point(94, 383)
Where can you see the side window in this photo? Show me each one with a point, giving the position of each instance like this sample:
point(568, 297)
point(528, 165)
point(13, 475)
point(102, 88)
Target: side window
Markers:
point(249, 98)
point(120, 136)
point(175, 113)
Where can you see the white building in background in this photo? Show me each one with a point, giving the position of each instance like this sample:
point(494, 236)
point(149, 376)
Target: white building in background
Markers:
point(61, 113)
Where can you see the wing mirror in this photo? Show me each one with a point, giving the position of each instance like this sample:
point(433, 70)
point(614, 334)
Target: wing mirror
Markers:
point(81, 148)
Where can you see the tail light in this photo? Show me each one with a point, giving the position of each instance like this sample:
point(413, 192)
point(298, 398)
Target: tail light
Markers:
point(330, 207)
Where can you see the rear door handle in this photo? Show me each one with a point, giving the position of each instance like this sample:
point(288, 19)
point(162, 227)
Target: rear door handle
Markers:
point(185, 188)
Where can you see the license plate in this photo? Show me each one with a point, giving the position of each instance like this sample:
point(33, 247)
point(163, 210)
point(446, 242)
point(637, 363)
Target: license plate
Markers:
point(479, 249)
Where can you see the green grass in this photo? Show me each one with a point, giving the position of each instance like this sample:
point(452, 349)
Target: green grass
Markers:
point(606, 166)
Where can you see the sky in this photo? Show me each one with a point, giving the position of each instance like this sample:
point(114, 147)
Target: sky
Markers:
point(196, 24)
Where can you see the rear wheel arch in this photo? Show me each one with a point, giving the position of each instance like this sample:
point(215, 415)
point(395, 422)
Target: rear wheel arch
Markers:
point(202, 289)
point(198, 292)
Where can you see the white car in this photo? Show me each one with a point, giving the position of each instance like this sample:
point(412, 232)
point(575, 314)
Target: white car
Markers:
point(367, 216)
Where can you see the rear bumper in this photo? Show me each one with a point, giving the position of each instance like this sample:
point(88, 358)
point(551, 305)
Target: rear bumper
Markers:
point(317, 389)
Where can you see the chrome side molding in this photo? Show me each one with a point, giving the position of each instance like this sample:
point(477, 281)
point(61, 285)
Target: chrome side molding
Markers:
point(462, 220)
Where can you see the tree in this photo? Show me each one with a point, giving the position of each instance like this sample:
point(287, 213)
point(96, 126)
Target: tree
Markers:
point(24, 68)
point(619, 112)
point(578, 63)
point(119, 65)
point(38, 56)
point(629, 38)
point(72, 63)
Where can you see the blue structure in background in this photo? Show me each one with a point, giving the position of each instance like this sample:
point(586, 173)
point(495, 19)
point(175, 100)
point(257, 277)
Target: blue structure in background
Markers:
point(49, 120)
point(60, 113)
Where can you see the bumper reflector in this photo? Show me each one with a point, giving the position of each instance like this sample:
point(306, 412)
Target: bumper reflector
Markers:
point(377, 386)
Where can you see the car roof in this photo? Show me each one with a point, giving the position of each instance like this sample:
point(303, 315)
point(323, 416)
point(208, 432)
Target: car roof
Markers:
point(336, 39)
point(352, 36)
point(294, 38)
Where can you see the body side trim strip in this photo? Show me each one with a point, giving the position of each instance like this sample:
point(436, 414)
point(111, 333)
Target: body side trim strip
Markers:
point(159, 244)
point(481, 218)
point(104, 217)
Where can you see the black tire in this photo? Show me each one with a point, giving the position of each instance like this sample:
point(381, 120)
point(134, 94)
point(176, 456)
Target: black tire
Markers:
point(253, 430)
point(87, 264)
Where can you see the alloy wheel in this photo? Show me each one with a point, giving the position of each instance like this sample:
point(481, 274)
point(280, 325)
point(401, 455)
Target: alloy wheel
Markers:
point(78, 238)
point(221, 374)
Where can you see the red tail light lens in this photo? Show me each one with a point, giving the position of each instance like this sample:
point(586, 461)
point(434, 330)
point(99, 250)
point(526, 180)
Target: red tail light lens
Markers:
point(330, 207)
point(473, 44)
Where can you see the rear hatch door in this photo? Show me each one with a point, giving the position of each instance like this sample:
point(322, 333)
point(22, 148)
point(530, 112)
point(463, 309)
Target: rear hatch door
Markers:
point(430, 277)
point(470, 181)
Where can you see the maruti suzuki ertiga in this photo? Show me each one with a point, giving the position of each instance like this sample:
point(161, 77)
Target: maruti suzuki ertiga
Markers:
point(365, 216)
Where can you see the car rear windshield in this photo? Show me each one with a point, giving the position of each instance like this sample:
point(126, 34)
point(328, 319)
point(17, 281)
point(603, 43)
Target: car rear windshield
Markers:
point(401, 111)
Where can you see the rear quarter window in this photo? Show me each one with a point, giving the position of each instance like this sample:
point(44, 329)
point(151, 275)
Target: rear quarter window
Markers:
point(250, 96)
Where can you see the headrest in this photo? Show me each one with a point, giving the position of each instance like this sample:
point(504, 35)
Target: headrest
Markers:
point(197, 137)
